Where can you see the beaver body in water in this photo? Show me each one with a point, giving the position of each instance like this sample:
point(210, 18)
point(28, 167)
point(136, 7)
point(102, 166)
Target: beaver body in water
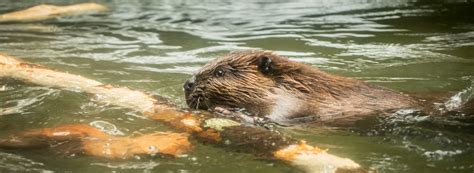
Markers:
point(266, 84)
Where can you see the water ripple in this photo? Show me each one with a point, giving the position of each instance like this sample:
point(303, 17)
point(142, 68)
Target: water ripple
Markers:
point(15, 102)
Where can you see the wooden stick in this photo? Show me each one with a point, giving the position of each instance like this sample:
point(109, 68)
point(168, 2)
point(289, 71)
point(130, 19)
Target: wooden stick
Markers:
point(44, 12)
point(204, 126)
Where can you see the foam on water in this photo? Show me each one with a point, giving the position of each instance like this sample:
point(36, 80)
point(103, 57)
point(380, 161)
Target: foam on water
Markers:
point(459, 99)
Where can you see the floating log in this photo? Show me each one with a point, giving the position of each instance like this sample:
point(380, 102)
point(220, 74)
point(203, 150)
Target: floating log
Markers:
point(75, 139)
point(203, 126)
point(44, 12)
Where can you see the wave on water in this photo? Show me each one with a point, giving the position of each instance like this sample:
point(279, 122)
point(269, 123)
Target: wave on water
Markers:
point(14, 101)
point(459, 99)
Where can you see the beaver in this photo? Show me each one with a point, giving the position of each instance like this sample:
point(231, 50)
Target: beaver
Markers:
point(272, 86)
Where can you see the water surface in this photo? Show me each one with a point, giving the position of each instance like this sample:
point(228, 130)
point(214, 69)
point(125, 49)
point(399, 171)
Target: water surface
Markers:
point(414, 46)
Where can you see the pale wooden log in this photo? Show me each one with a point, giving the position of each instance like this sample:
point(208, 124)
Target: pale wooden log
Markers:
point(76, 139)
point(44, 12)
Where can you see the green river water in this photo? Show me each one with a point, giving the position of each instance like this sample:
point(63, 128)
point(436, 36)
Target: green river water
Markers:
point(416, 46)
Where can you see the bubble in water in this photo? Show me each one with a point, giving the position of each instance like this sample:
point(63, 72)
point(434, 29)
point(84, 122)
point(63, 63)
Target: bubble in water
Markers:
point(106, 127)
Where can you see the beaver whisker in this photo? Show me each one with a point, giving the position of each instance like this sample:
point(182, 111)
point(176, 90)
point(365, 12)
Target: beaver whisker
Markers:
point(198, 102)
point(198, 90)
point(206, 103)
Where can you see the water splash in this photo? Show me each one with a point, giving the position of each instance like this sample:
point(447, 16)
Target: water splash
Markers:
point(459, 99)
point(130, 165)
point(440, 154)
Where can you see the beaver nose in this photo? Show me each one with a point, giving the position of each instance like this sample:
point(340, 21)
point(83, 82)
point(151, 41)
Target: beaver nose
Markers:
point(188, 85)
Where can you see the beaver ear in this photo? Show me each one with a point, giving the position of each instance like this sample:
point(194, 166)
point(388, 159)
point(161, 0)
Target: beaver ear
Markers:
point(265, 65)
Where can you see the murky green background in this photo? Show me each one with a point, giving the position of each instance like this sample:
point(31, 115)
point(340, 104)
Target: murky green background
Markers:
point(423, 47)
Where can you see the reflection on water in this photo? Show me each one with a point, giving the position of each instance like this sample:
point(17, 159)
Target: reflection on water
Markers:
point(419, 47)
point(16, 102)
point(17, 163)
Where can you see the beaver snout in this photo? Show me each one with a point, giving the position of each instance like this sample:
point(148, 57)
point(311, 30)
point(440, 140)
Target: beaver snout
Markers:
point(194, 97)
point(188, 90)
point(188, 86)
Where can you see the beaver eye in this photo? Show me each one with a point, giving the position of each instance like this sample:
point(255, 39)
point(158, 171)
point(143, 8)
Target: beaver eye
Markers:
point(219, 73)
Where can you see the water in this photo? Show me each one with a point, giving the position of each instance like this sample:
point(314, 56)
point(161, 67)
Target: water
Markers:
point(419, 47)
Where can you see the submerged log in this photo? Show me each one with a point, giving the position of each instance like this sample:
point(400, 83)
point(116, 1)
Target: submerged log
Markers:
point(78, 139)
point(203, 126)
point(44, 12)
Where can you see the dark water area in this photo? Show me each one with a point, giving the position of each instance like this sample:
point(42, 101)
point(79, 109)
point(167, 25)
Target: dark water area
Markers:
point(421, 47)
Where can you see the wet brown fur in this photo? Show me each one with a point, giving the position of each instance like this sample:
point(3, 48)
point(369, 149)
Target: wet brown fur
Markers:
point(316, 93)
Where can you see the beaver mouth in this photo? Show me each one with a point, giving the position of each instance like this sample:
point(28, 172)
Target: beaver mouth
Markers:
point(198, 99)
point(197, 102)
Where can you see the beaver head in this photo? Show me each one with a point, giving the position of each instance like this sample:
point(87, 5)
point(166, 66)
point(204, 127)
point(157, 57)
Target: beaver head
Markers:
point(262, 83)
